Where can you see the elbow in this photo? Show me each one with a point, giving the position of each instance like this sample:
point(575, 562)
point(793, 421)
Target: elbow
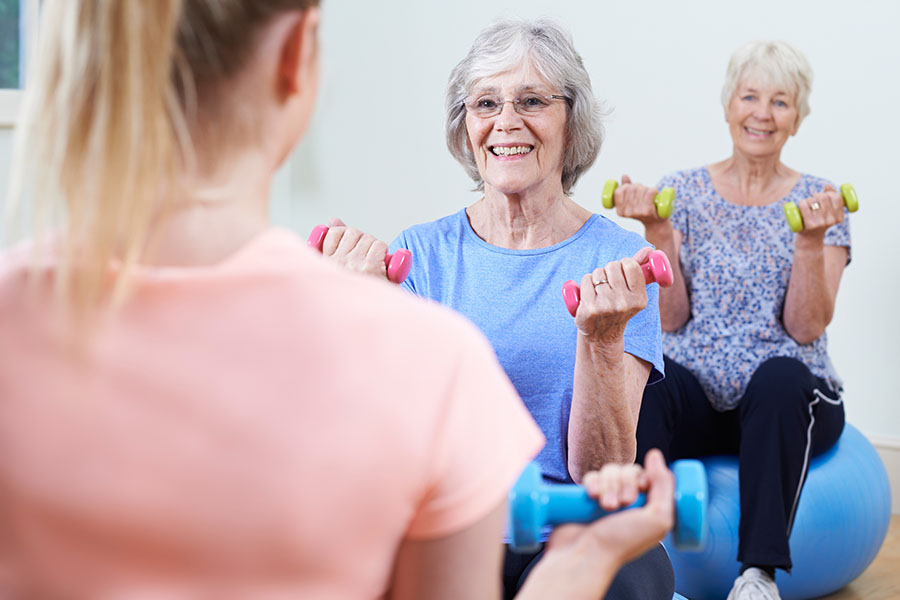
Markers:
point(579, 465)
point(673, 322)
point(806, 334)
point(669, 326)
point(806, 337)
point(808, 331)
point(576, 472)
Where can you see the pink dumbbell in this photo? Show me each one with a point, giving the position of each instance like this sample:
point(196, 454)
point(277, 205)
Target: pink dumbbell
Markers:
point(656, 268)
point(398, 264)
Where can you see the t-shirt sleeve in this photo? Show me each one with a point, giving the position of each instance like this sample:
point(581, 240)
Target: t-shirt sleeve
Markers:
point(483, 440)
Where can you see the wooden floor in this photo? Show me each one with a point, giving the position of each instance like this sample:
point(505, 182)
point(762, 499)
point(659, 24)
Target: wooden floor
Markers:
point(881, 581)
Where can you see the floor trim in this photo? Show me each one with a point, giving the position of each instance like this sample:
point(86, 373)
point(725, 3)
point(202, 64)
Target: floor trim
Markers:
point(889, 450)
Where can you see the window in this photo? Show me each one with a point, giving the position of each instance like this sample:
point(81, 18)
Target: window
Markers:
point(10, 57)
point(18, 28)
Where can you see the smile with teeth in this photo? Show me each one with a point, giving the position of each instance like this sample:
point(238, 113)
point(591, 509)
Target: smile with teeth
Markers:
point(511, 150)
point(757, 131)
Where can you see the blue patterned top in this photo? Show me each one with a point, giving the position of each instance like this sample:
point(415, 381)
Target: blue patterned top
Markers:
point(736, 262)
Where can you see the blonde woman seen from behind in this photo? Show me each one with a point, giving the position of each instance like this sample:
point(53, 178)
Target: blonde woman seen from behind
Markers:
point(193, 403)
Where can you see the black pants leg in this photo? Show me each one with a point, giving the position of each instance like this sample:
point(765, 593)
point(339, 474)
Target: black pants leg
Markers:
point(786, 416)
point(677, 418)
point(648, 577)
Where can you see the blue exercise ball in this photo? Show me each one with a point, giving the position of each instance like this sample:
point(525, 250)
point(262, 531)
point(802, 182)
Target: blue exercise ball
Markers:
point(841, 522)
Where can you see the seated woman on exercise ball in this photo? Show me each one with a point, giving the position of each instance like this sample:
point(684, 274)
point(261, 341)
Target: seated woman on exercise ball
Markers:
point(747, 367)
point(524, 123)
point(194, 404)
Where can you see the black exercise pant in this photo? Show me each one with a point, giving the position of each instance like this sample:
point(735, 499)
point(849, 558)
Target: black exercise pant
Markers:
point(786, 416)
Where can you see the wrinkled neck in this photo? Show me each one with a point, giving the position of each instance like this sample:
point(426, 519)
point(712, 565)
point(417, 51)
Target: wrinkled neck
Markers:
point(526, 221)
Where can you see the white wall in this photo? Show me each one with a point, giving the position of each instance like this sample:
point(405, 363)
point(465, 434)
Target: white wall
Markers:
point(376, 157)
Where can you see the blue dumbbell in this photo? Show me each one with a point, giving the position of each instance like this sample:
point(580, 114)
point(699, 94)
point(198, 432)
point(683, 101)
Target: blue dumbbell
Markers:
point(534, 504)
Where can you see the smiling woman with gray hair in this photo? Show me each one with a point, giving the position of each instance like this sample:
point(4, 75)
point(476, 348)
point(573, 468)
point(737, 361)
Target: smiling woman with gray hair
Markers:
point(747, 367)
point(524, 123)
point(554, 59)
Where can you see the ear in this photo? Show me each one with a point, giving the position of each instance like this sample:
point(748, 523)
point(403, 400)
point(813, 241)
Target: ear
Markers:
point(298, 58)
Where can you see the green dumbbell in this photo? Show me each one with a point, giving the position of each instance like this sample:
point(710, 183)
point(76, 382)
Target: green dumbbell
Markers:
point(664, 201)
point(795, 219)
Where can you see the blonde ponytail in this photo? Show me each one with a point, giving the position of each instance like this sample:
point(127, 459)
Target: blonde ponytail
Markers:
point(99, 138)
point(119, 92)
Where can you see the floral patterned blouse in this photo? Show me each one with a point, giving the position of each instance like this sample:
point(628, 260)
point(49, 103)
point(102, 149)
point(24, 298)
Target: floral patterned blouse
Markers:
point(736, 262)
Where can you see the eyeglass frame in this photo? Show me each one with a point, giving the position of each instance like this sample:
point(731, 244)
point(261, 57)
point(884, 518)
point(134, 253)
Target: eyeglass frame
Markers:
point(516, 105)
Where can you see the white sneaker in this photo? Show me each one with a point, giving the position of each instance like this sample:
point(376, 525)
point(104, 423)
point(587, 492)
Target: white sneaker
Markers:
point(754, 584)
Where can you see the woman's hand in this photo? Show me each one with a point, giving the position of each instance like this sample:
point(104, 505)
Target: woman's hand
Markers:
point(816, 268)
point(635, 201)
point(820, 211)
point(355, 250)
point(634, 531)
point(610, 296)
point(581, 560)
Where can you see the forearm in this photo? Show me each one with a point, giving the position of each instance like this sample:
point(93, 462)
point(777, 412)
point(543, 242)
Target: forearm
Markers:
point(809, 303)
point(674, 303)
point(605, 406)
point(464, 564)
point(585, 574)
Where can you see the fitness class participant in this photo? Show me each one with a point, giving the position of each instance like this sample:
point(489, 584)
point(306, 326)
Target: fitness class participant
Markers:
point(196, 405)
point(747, 369)
point(524, 123)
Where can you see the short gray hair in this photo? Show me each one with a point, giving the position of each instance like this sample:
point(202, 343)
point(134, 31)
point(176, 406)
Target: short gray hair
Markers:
point(503, 46)
point(776, 63)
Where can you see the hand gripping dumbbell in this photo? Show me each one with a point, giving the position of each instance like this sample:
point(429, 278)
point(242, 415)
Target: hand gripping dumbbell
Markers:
point(398, 264)
point(656, 269)
point(664, 200)
point(534, 504)
point(795, 219)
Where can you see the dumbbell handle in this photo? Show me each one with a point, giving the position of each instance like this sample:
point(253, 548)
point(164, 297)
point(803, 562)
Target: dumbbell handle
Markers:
point(534, 504)
point(398, 264)
point(795, 219)
point(656, 269)
point(664, 200)
point(572, 504)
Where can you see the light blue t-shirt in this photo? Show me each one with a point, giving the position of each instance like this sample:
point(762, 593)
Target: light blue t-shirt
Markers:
point(515, 297)
point(737, 264)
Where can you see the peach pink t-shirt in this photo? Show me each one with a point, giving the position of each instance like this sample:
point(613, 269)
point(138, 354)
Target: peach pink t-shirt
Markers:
point(271, 423)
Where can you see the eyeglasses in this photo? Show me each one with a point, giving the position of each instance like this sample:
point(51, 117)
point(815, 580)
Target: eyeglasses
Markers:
point(526, 104)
